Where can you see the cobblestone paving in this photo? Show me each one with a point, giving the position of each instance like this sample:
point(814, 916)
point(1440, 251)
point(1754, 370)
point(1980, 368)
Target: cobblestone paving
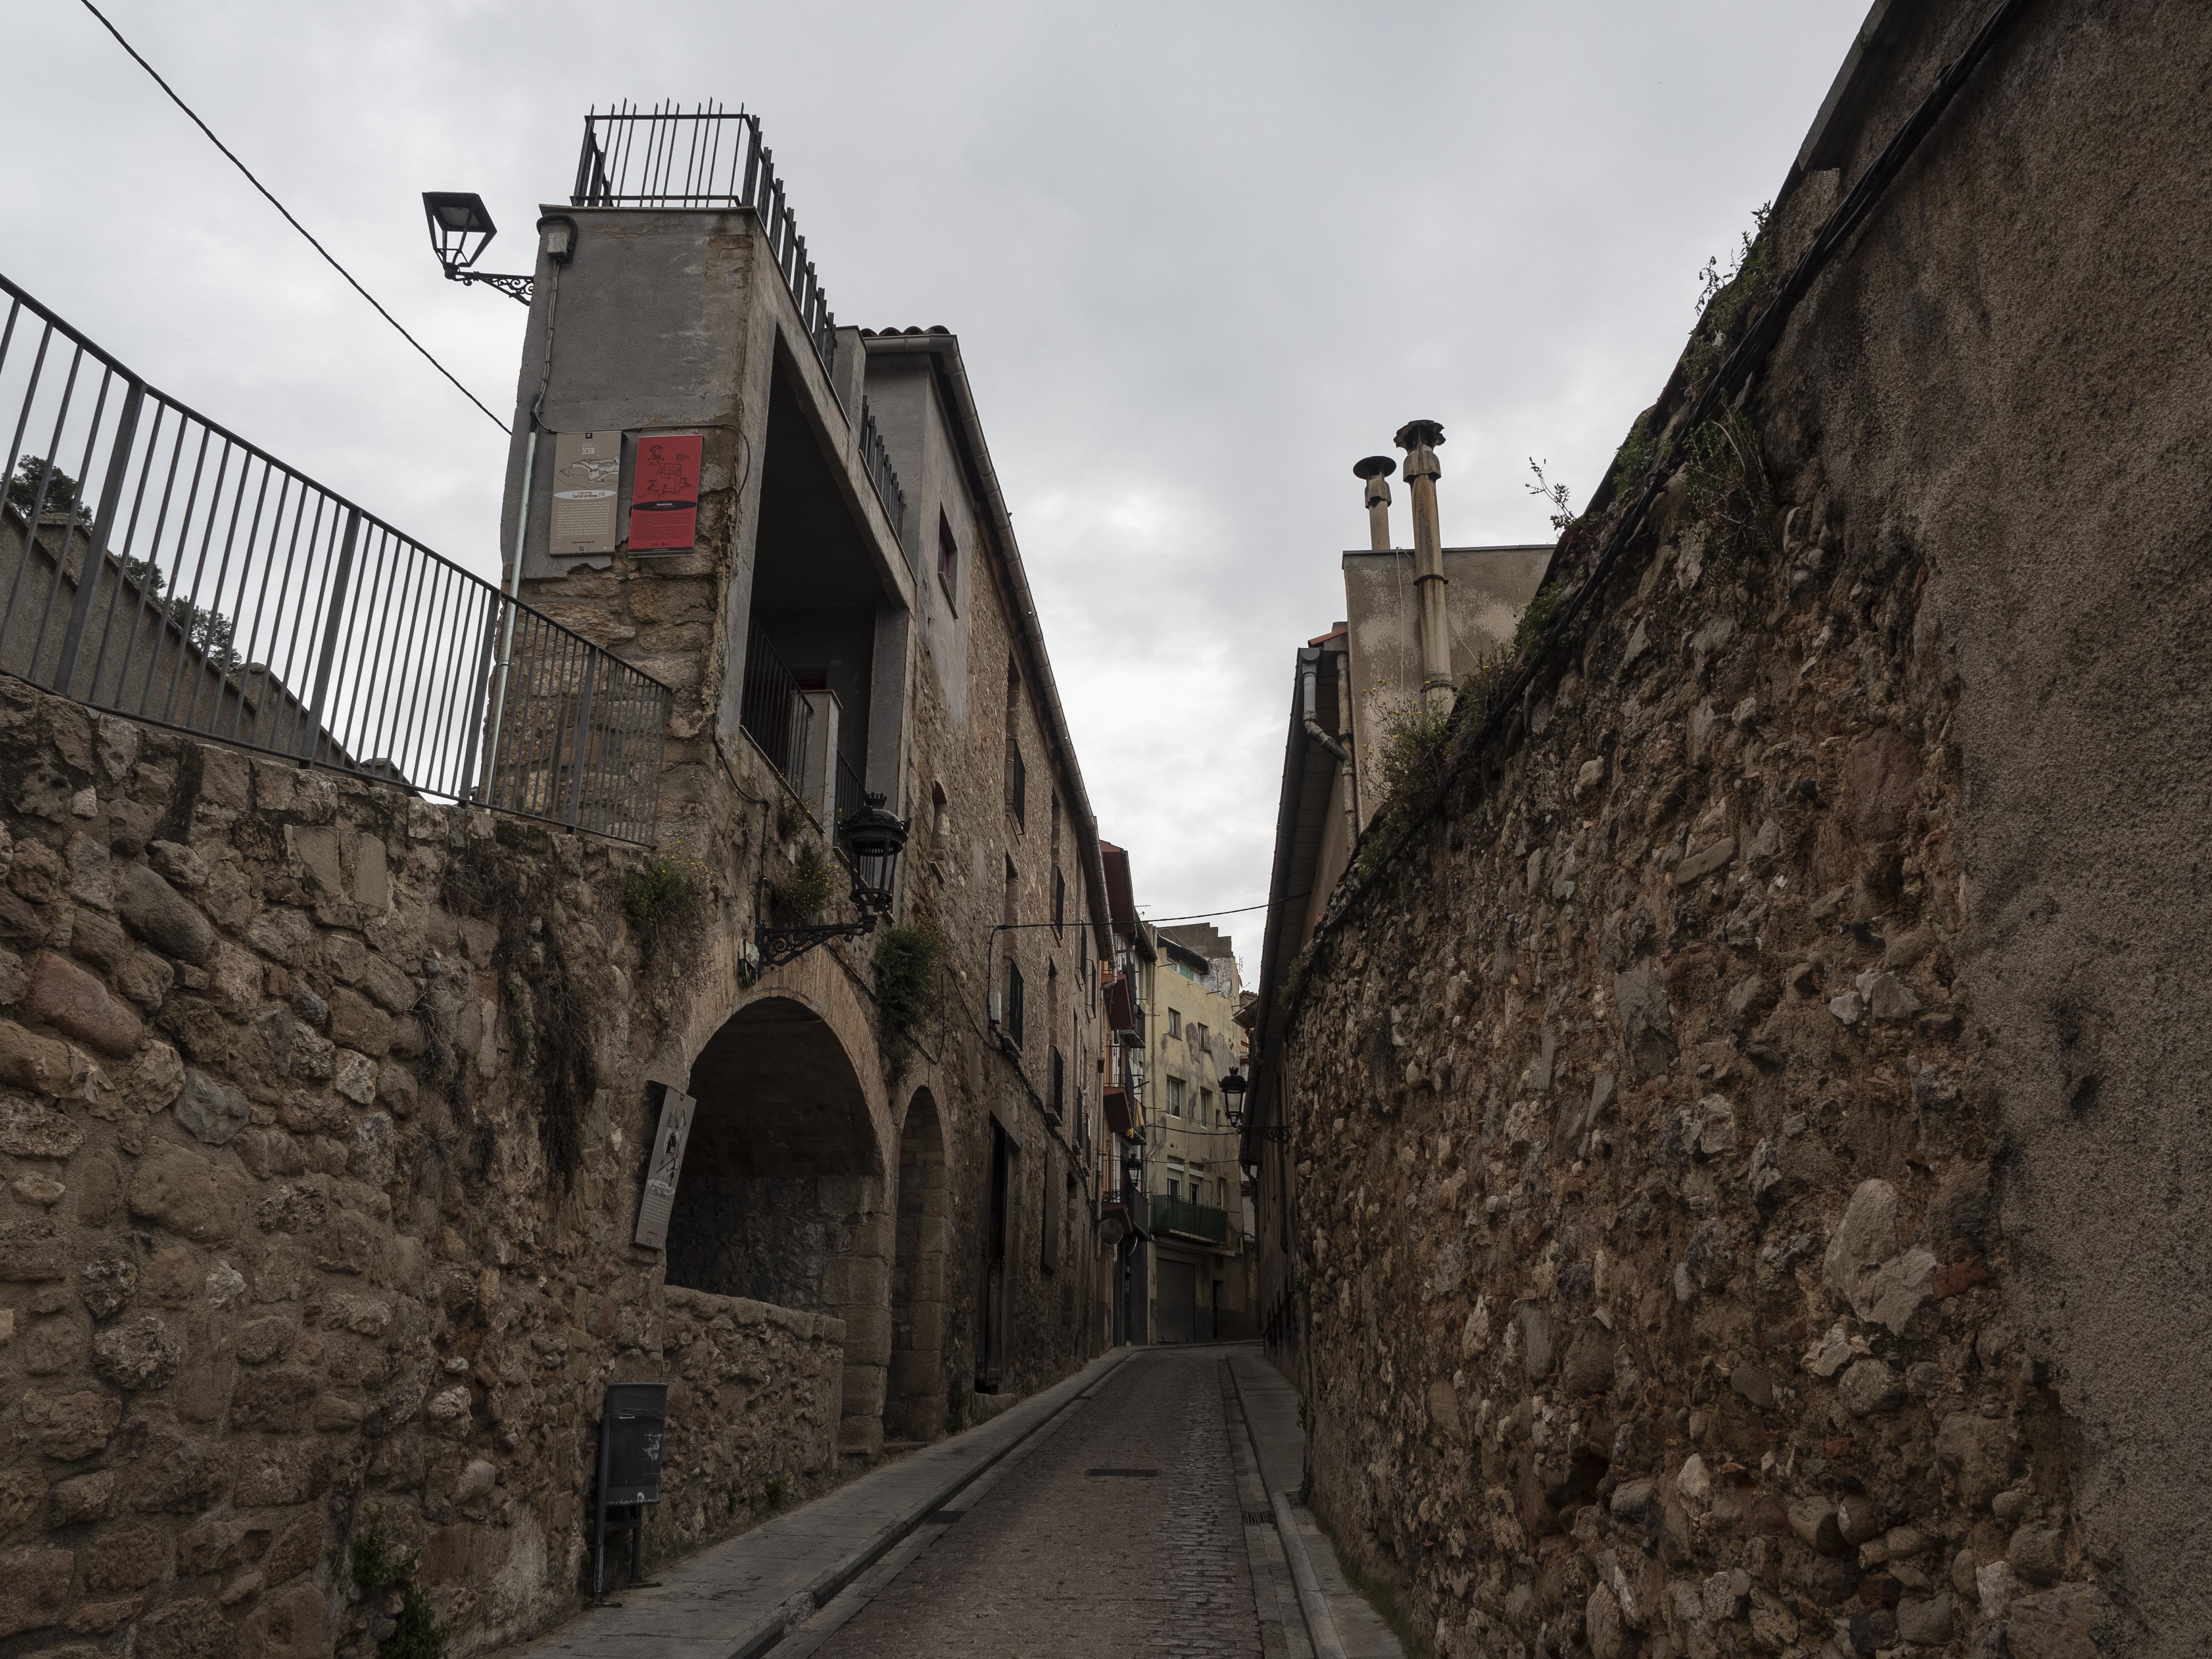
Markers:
point(1061, 1562)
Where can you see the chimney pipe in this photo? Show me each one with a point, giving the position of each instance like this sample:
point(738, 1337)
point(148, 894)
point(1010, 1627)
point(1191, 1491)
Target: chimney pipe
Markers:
point(1376, 470)
point(1419, 439)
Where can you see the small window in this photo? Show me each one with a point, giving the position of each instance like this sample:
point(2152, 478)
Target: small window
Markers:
point(1059, 1084)
point(1013, 1001)
point(1205, 1105)
point(1175, 1022)
point(941, 813)
point(1059, 901)
point(1018, 782)
point(948, 562)
point(1174, 1096)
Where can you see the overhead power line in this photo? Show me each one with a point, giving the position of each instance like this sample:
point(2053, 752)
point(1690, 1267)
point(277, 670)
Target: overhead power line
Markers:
point(287, 212)
point(1200, 915)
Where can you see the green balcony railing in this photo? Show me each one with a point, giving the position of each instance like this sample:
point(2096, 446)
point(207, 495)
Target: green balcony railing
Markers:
point(1190, 1218)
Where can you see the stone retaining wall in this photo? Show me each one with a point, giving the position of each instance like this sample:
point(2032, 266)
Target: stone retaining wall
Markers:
point(309, 1221)
point(1731, 1218)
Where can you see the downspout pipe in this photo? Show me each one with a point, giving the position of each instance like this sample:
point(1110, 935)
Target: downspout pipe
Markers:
point(1309, 710)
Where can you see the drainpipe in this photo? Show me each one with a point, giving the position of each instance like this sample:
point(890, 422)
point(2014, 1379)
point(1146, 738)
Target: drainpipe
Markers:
point(1308, 677)
point(1376, 469)
point(1418, 439)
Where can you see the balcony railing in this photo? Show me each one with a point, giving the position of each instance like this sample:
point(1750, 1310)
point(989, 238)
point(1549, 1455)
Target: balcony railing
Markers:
point(158, 566)
point(774, 713)
point(709, 157)
point(1188, 1219)
point(882, 474)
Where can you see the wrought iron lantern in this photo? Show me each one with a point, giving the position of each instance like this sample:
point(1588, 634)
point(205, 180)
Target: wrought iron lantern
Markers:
point(872, 839)
point(460, 230)
point(1232, 1098)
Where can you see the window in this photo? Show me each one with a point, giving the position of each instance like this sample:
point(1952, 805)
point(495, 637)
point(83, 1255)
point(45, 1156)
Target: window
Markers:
point(1205, 1105)
point(1059, 901)
point(941, 813)
point(1174, 1096)
point(1018, 782)
point(948, 562)
point(1175, 1022)
point(1058, 1096)
point(1013, 1001)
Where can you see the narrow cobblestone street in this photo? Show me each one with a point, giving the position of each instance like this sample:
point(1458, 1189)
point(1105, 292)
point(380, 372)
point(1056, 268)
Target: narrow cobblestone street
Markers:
point(1122, 1532)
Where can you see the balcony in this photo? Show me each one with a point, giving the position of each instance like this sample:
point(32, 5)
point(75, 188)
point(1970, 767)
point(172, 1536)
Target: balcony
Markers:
point(1188, 1220)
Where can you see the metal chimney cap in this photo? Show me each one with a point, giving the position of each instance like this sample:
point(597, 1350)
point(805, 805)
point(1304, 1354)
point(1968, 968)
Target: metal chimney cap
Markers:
point(1375, 466)
point(1414, 433)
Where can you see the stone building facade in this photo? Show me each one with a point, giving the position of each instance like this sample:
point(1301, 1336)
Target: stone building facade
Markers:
point(326, 1109)
point(1744, 1112)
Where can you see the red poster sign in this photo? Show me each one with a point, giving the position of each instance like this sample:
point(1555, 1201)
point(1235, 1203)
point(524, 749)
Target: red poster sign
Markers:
point(664, 495)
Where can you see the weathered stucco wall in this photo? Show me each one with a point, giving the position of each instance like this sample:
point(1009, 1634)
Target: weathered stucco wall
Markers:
point(1748, 1188)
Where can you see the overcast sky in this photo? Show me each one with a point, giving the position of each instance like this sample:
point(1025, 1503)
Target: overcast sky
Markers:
point(1201, 258)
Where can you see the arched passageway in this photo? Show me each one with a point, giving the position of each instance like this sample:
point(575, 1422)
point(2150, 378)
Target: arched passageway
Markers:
point(781, 1198)
point(915, 1406)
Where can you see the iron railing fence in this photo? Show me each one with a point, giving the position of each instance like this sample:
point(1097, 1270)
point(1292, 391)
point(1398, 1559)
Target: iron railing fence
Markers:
point(774, 711)
point(1173, 1214)
point(875, 456)
point(852, 793)
point(669, 156)
point(158, 566)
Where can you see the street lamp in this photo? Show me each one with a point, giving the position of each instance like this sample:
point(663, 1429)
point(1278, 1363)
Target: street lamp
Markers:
point(872, 839)
point(460, 229)
point(1232, 1098)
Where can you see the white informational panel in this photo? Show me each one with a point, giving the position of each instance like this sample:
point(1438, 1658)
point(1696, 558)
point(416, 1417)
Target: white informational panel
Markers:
point(587, 491)
point(669, 1139)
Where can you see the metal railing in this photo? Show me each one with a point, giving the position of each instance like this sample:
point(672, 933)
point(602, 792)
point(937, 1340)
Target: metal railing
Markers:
point(668, 156)
point(158, 566)
point(1173, 1214)
point(852, 793)
point(877, 458)
point(774, 711)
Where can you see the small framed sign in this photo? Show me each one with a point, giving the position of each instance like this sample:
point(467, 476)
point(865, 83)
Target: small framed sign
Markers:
point(664, 493)
point(664, 1166)
point(586, 488)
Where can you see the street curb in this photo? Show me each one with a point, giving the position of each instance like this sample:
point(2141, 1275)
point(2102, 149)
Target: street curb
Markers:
point(1321, 1627)
point(831, 1580)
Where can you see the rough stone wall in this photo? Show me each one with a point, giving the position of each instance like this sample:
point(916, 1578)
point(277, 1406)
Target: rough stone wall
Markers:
point(956, 873)
point(307, 1224)
point(1731, 1218)
point(752, 1409)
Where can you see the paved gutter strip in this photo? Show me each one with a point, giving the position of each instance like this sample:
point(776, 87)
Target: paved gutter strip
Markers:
point(1320, 1628)
point(1324, 1597)
point(827, 1585)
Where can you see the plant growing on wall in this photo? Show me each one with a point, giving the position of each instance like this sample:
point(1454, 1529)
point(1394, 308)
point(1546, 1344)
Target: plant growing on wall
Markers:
point(804, 891)
point(378, 1571)
point(907, 958)
point(662, 888)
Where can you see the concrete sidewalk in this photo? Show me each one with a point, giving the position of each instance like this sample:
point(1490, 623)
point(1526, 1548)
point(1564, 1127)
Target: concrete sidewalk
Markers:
point(1340, 1622)
point(736, 1599)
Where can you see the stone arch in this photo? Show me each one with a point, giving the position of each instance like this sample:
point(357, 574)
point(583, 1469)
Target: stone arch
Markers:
point(782, 1194)
point(914, 1405)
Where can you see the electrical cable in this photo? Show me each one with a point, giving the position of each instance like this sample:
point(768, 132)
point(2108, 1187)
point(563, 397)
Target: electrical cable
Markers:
point(288, 219)
point(1200, 915)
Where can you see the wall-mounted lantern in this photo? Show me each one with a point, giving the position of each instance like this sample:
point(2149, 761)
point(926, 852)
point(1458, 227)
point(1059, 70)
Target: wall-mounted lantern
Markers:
point(1232, 1098)
point(872, 839)
point(460, 230)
